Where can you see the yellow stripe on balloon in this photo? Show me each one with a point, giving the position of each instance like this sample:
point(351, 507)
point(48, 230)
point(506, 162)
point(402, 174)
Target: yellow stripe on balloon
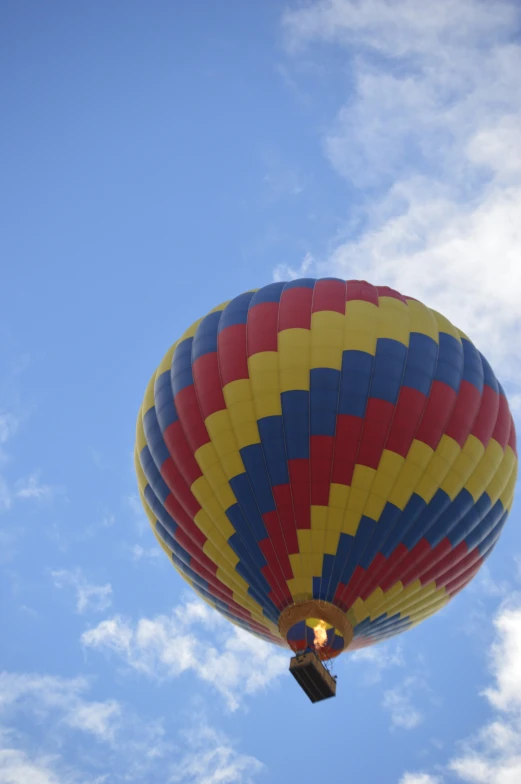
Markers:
point(463, 467)
point(327, 339)
point(360, 330)
point(438, 467)
point(294, 351)
point(393, 320)
point(263, 369)
point(422, 320)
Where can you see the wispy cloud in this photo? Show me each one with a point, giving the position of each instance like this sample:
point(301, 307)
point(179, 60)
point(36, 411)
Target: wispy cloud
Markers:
point(505, 662)
point(399, 703)
point(5, 495)
point(124, 744)
point(419, 778)
point(133, 503)
point(33, 488)
point(18, 767)
point(489, 586)
point(139, 553)
point(193, 638)
point(127, 744)
point(492, 755)
point(89, 596)
point(29, 488)
point(281, 179)
point(212, 759)
point(373, 661)
point(106, 521)
point(429, 137)
point(46, 695)
point(8, 425)
point(130, 746)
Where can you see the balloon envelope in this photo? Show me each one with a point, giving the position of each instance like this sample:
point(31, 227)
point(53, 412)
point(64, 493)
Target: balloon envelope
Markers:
point(331, 441)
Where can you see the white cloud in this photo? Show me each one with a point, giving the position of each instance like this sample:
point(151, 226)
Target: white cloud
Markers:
point(419, 778)
point(23, 489)
point(429, 135)
point(46, 696)
point(193, 638)
point(132, 747)
point(139, 553)
point(488, 585)
point(133, 502)
point(211, 759)
point(515, 403)
point(493, 754)
point(399, 702)
point(400, 29)
point(8, 425)
point(99, 718)
point(127, 744)
point(89, 597)
point(16, 767)
point(34, 489)
point(283, 272)
point(374, 660)
point(5, 495)
point(505, 659)
point(7, 540)
point(107, 521)
point(282, 180)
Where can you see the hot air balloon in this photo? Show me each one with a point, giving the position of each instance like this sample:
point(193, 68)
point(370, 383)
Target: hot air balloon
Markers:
point(327, 463)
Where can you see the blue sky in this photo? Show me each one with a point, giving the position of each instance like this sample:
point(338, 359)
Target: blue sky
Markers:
point(159, 160)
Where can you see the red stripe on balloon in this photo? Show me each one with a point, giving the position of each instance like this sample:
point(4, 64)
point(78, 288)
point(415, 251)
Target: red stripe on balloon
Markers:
point(261, 328)
point(385, 291)
point(422, 555)
point(378, 418)
point(465, 412)
point(190, 417)
point(460, 582)
point(179, 448)
point(321, 449)
point(233, 365)
point(502, 427)
point(440, 404)
point(485, 422)
point(179, 489)
point(429, 572)
point(300, 490)
point(193, 548)
point(295, 308)
point(269, 552)
point(456, 570)
point(284, 504)
point(393, 570)
point(347, 439)
point(280, 541)
point(207, 383)
point(231, 351)
point(329, 295)
point(409, 409)
point(361, 290)
point(346, 595)
point(176, 511)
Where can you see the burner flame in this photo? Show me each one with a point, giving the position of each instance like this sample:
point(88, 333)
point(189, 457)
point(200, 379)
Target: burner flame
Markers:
point(320, 635)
